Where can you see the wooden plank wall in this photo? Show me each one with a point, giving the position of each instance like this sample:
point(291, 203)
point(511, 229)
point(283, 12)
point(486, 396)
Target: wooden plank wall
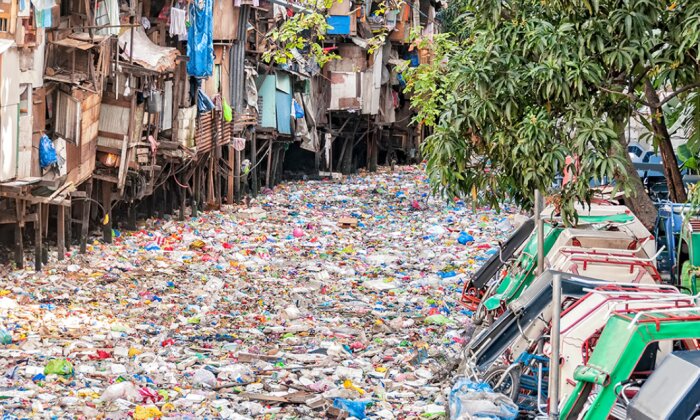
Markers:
point(81, 157)
point(225, 20)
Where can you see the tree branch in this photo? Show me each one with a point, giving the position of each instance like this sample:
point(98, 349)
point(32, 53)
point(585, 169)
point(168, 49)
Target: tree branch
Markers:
point(631, 96)
point(635, 82)
point(679, 91)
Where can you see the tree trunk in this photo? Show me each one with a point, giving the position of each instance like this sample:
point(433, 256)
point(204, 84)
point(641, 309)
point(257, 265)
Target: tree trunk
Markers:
point(638, 200)
point(674, 179)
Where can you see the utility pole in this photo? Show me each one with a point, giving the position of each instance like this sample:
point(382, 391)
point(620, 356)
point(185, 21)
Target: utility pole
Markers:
point(540, 231)
point(554, 340)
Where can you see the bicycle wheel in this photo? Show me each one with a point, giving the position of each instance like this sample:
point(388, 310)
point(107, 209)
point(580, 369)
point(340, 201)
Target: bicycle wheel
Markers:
point(509, 385)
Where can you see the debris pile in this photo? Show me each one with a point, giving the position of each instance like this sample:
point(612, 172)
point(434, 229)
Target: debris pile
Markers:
point(324, 299)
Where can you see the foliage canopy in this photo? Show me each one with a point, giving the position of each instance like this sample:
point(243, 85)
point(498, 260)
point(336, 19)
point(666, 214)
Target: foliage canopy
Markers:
point(520, 85)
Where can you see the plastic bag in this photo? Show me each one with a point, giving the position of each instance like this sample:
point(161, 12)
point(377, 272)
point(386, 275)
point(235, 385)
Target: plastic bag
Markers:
point(147, 412)
point(354, 408)
point(297, 109)
point(204, 103)
point(58, 367)
point(5, 336)
point(47, 152)
point(228, 111)
point(438, 320)
point(121, 390)
point(476, 399)
point(464, 238)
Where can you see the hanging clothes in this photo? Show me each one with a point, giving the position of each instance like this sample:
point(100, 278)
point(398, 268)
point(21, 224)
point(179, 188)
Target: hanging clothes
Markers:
point(200, 44)
point(177, 22)
point(24, 8)
point(107, 14)
point(42, 12)
point(239, 144)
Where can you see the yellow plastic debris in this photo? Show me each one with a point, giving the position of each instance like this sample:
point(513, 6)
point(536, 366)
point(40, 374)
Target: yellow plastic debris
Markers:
point(349, 385)
point(149, 412)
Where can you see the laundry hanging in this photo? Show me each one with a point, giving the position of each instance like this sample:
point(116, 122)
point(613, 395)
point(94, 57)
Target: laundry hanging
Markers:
point(177, 23)
point(239, 144)
point(200, 44)
point(107, 15)
point(42, 12)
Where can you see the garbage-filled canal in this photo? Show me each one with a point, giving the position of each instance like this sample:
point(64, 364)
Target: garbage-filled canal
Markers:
point(322, 297)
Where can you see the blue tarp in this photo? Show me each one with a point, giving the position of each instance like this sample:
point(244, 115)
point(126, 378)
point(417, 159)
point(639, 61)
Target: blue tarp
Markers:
point(200, 42)
point(340, 24)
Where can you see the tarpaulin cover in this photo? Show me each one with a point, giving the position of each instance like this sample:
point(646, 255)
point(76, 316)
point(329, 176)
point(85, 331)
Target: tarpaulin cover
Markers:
point(340, 25)
point(200, 44)
point(147, 54)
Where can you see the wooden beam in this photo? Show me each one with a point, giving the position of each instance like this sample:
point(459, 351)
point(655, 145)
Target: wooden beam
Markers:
point(85, 219)
point(195, 191)
point(107, 205)
point(268, 171)
point(37, 238)
point(35, 199)
point(254, 164)
point(19, 243)
point(69, 228)
point(237, 176)
point(61, 232)
point(45, 209)
point(229, 185)
point(183, 197)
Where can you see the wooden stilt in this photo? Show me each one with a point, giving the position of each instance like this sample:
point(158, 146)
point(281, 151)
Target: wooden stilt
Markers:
point(107, 205)
point(215, 162)
point(237, 175)
point(19, 242)
point(85, 217)
point(268, 181)
point(254, 164)
point(61, 232)
point(195, 193)
point(19, 247)
point(149, 205)
point(37, 238)
point(230, 195)
point(211, 193)
point(175, 193)
point(131, 216)
point(45, 220)
point(317, 161)
point(280, 165)
point(164, 202)
point(69, 227)
point(183, 198)
point(375, 153)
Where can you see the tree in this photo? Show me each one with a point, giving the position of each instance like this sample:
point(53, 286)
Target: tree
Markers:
point(524, 84)
point(300, 36)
